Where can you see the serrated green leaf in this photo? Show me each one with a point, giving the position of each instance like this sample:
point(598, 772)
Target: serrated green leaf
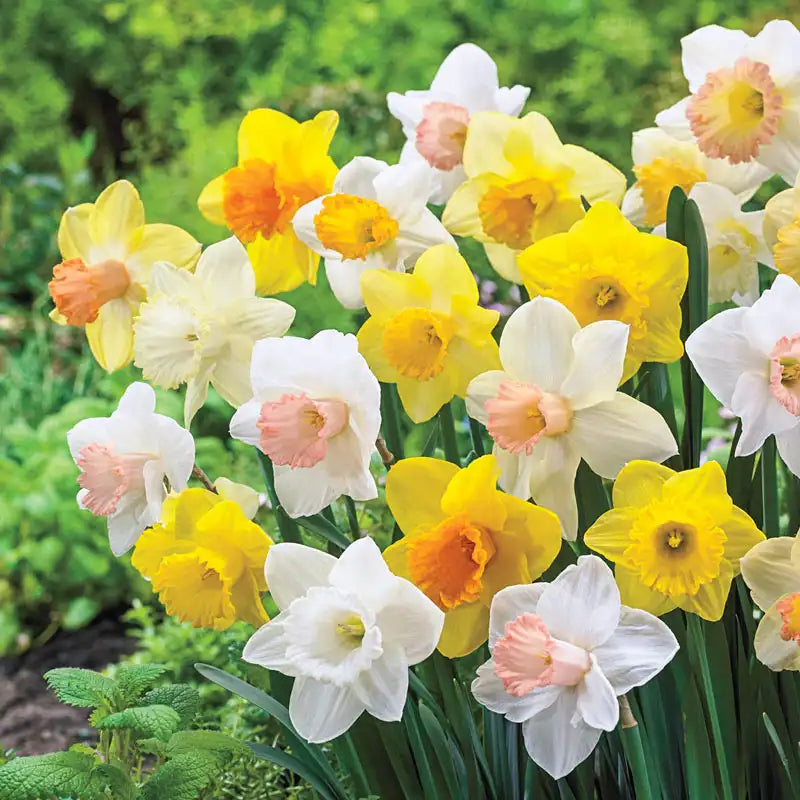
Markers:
point(146, 722)
point(154, 747)
point(218, 745)
point(133, 679)
point(83, 688)
point(181, 778)
point(180, 697)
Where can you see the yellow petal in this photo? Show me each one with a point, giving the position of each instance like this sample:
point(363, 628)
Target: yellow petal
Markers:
point(742, 535)
point(465, 360)
point(422, 399)
point(386, 292)
point(709, 600)
point(396, 557)
point(154, 545)
point(473, 323)
point(640, 482)
point(705, 487)
point(486, 136)
point(560, 217)
point(211, 200)
point(633, 593)
point(282, 262)
point(610, 534)
point(117, 215)
point(503, 260)
point(473, 491)
point(158, 242)
point(246, 599)
point(370, 345)
point(74, 239)
point(189, 508)
point(447, 274)
point(263, 134)
point(110, 336)
point(532, 142)
point(460, 215)
point(246, 497)
point(594, 178)
point(414, 491)
point(466, 628)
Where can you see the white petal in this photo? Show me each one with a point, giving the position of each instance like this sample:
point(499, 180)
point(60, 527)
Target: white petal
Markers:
point(411, 621)
point(551, 469)
point(778, 45)
point(139, 400)
point(557, 739)
point(789, 448)
point(599, 354)
point(510, 603)
point(176, 446)
point(306, 229)
point(483, 388)
point(403, 191)
point(344, 278)
point(707, 49)
point(581, 606)
point(469, 76)
point(516, 469)
point(408, 109)
point(226, 271)
point(244, 423)
point(420, 235)
point(362, 571)
point(267, 646)
point(536, 344)
point(782, 154)
point(291, 569)
point(357, 177)
point(771, 648)
point(95, 430)
point(760, 412)
point(768, 571)
point(622, 429)
point(633, 206)
point(165, 278)
point(673, 120)
point(445, 183)
point(306, 491)
point(321, 711)
point(383, 687)
point(597, 702)
point(510, 100)
point(488, 690)
point(230, 375)
point(720, 352)
point(776, 314)
point(124, 530)
point(638, 650)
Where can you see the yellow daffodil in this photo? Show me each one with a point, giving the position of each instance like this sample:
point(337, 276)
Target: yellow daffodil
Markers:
point(426, 332)
point(108, 252)
point(523, 185)
point(782, 229)
point(675, 537)
point(283, 164)
point(465, 541)
point(206, 561)
point(604, 268)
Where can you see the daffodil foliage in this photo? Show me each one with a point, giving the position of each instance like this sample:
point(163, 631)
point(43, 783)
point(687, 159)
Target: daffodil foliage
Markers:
point(584, 591)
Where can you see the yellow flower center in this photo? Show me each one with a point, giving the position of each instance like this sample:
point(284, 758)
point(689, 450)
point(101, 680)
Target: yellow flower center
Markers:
point(675, 550)
point(354, 226)
point(787, 249)
point(606, 296)
point(789, 609)
point(508, 211)
point(415, 342)
point(736, 111)
point(351, 629)
point(656, 180)
point(448, 561)
point(79, 291)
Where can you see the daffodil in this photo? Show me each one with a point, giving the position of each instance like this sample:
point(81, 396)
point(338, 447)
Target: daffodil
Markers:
point(675, 538)
point(315, 411)
point(375, 218)
point(750, 360)
point(523, 185)
point(562, 653)
point(206, 561)
point(108, 252)
point(435, 120)
point(661, 161)
point(347, 633)
point(245, 496)
point(283, 164)
point(556, 401)
point(199, 328)
point(736, 244)
point(782, 229)
point(745, 95)
point(771, 571)
point(464, 541)
point(124, 461)
point(426, 332)
point(604, 268)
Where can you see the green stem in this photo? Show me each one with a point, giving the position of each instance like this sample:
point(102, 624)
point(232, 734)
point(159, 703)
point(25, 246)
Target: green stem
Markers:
point(352, 517)
point(448, 427)
point(634, 750)
point(288, 528)
point(769, 488)
point(390, 416)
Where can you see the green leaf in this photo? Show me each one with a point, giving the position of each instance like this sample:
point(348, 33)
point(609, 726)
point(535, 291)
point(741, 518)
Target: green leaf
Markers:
point(181, 778)
point(299, 768)
point(180, 697)
point(82, 688)
point(80, 611)
point(133, 679)
point(439, 744)
point(323, 527)
point(776, 743)
point(218, 745)
point(156, 722)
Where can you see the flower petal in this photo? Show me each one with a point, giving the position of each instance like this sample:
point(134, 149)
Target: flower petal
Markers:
point(447, 274)
point(267, 646)
point(291, 569)
point(74, 238)
point(772, 649)
point(263, 133)
point(322, 711)
point(597, 701)
point(465, 629)
point(362, 571)
point(117, 214)
point(473, 491)
point(609, 535)
point(509, 603)
point(768, 571)
point(489, 691)
point(709, 601)
point(760, 411)
point(634, 593)
point(552, 468)
point(789, 448)
point(383, 687)
point(157, 242)
point(110, 336)
point(414, 491)
point(640, 482)
point(707, 49)
point(705, 486)
point(483, 388)
point(743, 535)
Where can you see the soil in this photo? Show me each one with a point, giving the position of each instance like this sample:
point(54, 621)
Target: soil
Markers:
point(32, 721)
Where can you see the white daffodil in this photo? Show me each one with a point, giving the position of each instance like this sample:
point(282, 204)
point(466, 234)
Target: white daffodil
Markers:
point(376, 218)
point(199, 328)
point(782, 229)
point(315, 412)
point(661, 161)
point(562, 653)
point(771, 571)
point(745, 95)
point(556, 401)
point(124, 460)
point(435, 120)
point(347, 632)
point(735, 244)
point(749, 358)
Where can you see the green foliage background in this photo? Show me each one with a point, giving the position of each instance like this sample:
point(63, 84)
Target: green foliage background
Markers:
point(94, 90)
